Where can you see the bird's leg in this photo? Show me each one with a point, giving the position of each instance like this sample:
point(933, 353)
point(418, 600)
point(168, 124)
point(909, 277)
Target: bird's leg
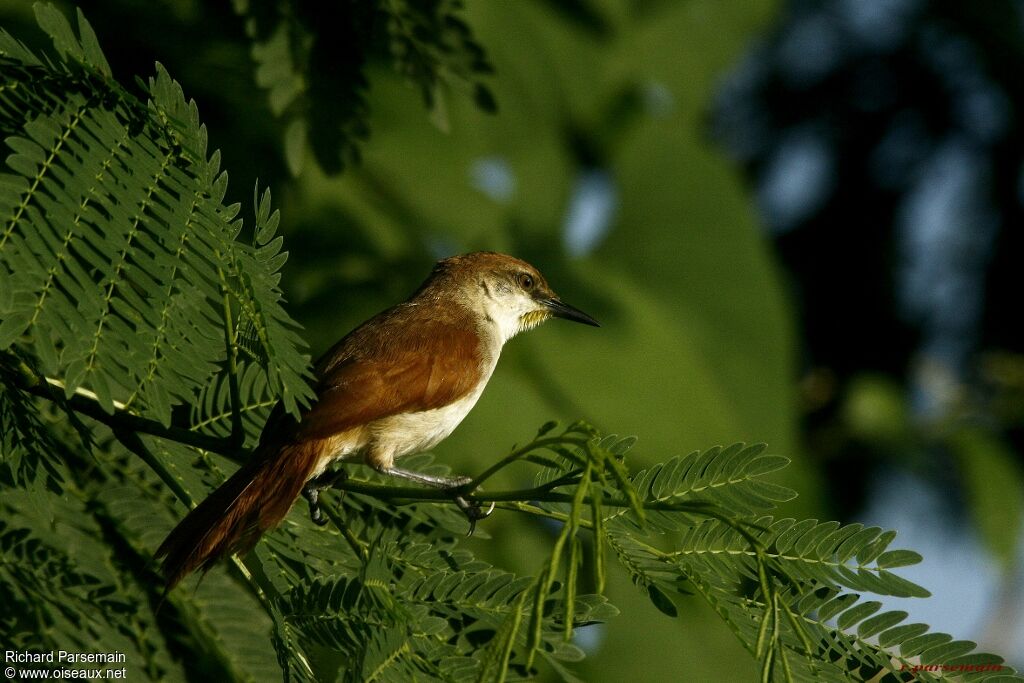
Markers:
point(428, 479)
point(311, 492)
point(473, 511)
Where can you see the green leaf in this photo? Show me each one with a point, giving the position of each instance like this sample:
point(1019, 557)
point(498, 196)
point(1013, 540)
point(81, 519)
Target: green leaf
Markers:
point(116, 241)
point(662, 601)
point(857, 613)
point(897, 558)
point(879, 623)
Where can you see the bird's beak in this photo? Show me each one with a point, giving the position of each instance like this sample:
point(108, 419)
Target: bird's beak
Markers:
point(559, 309)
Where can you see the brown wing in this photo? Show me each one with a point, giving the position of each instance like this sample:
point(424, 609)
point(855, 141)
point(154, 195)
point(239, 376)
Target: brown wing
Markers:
point(390, 366)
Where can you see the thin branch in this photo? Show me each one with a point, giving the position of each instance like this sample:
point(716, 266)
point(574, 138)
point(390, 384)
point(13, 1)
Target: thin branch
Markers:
point(520, 453)
point(535, 511)
point(122, 420)
point(237, 437)
point(358, 547)
point(124, 423)
point(133, 443)
point(415, 494)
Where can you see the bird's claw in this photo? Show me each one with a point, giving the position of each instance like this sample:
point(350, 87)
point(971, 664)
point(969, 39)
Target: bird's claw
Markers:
point(311, 492)
point(312, 496)
point(473, 511)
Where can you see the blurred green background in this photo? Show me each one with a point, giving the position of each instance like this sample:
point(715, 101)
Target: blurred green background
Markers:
point(624, 161)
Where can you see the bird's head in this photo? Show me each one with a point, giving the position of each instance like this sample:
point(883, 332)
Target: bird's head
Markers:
point(509, 293)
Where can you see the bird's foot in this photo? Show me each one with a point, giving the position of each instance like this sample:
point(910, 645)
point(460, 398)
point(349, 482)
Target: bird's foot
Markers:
point(312, 496)
point(457, 485)
point(474, 512)
point(311, 492)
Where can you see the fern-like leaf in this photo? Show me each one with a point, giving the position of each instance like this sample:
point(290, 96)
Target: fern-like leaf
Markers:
point(116, 251)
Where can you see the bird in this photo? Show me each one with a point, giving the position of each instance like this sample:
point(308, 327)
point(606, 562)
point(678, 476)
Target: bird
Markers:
point(396, 385)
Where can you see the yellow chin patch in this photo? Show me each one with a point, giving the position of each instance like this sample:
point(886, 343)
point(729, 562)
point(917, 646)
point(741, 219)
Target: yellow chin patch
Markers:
point(528, 321)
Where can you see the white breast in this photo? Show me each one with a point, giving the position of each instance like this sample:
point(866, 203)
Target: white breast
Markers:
point(398, 435)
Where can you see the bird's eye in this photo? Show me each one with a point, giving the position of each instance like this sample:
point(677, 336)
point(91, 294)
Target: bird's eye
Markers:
point(525, 280)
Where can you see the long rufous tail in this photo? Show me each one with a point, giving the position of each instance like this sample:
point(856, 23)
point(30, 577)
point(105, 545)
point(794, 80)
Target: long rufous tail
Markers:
point(232, 518)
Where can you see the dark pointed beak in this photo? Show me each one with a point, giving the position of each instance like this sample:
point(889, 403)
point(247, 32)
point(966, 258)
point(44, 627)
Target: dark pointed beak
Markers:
point(559, 309)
